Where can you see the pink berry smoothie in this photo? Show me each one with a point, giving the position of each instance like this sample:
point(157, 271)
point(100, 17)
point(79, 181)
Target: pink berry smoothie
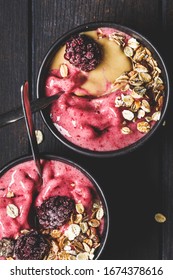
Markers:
point(21, 191)
point(115, 104)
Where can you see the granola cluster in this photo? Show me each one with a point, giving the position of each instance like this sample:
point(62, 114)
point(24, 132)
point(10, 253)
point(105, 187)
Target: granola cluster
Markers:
point(81, 238)
point(77, 240)
point(142, 88)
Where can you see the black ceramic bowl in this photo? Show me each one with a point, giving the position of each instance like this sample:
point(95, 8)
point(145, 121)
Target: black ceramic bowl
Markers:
point(44, 69)
point(98, 190)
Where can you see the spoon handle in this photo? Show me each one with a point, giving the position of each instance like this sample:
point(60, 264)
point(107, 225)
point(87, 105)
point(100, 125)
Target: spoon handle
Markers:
point(36, 105)
point(30, 127)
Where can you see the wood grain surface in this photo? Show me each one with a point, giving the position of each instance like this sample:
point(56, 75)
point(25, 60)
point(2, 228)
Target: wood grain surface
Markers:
point(136, 186)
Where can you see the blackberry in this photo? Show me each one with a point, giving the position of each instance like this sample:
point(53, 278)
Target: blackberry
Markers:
point(55, 211)
point(6, 247)
point(31, 246)
point(83, 52)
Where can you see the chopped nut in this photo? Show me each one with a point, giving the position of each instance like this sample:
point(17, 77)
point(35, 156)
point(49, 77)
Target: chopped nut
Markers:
point(160, 101)
point(93, 232)
point(94, 223)
point(156, 116)
point(96, 205)
point(128, 115)
point(133, 43)
point(138, 92)
point(118, 102)
point(79, 208)
point(91, 256)
point(10, 194)
point(84, 227)
point(89, 242)
point(63, 70)
point(12, 211)
point(63, 255)
point(39, 136)
point(118, 38)
point(72, 231)
point(141, 114)
point(71, 257)
point(160, 218)
point(78, 246)
point(145, 77)
point(140, 68)
point(128, 51)
point(125, 130)
point(82, 256)
point(67, 248)
point(78, 218)
point(86, 247)
point(143, 126)
point(122, 78)
point(100, 213)
point(128, 100)
point(24, 231)
point(63, 241)
point(118, 85)
point(164, 123)
point(55, 233)
point(136, 105)
point(148, 119)
point(136, 82)
point(145, 106)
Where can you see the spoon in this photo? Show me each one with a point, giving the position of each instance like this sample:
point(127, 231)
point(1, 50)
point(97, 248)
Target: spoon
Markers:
point(36, 105)
point(30, 127)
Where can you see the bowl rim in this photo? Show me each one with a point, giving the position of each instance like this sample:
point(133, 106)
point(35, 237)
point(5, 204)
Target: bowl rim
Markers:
point(49, 56)
point(97, 186)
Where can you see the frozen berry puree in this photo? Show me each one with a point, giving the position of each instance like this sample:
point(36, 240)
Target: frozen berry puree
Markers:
point(113, 90)
point(60, 218)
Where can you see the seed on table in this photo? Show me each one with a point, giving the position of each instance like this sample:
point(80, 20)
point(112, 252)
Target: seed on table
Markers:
point(160, 218)
point(39, 136)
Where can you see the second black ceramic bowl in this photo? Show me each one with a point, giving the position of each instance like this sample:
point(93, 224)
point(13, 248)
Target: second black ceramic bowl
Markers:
point(44, 69)
point(97, 192)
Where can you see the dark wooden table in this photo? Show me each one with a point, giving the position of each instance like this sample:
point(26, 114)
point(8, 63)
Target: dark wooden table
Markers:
point(136, 186)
